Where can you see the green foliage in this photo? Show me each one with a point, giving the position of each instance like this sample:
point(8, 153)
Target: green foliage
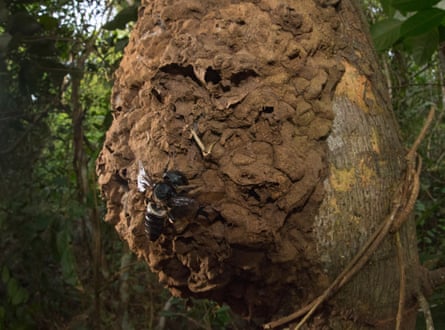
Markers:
point(61, 266)
point(422, 22)
point(423, 46)
point(199, 314)
point(126, 15)
point(411, 24)
point(411, 5)
point(409, 33)
point(46, 229)
point(385, 33)
point(415, 89)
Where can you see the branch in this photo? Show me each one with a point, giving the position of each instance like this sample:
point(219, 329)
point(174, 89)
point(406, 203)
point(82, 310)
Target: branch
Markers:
point(402, 282)
point(426, 311)
point(412, 153)
point(412, 180)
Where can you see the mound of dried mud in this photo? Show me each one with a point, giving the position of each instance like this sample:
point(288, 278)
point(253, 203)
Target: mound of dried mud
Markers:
point(249, 78)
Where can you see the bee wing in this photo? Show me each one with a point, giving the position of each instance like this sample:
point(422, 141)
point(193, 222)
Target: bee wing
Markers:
point(180, 201)
point(144, 181)
point(182, 207)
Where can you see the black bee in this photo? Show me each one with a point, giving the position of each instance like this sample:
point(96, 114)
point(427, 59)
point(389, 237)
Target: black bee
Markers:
point(165, 202)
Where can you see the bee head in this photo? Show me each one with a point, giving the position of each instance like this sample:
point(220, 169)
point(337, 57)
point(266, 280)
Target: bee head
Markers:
point(176, 178)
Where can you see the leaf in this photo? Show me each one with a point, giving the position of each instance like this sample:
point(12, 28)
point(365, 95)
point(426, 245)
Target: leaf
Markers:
point(122, 18)
point(385, 33)
point(441, 29)
point(121, 44)
point(413, 5)
point(422, 22)
point(49, 23)
point(223, 316)
point(387, 8)
point(427, 240)
point(5, 274)
point(5, 38)
point(67, 261)
point(420, 206)
point(20, 296)
point(423, 46)
point(12, 287)
point(40, 222)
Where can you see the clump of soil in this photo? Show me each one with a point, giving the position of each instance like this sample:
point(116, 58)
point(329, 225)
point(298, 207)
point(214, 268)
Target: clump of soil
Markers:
point(253, 82)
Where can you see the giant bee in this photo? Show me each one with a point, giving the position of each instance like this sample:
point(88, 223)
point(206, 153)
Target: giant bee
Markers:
point(166, 200)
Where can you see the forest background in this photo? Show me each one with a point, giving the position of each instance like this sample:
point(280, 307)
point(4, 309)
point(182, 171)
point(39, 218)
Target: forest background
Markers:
point(61, 266)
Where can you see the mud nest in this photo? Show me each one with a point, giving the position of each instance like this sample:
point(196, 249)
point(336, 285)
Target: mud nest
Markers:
point(249, 80)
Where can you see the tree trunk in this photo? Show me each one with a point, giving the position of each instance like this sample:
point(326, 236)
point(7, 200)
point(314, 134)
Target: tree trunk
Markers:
point(277, 114)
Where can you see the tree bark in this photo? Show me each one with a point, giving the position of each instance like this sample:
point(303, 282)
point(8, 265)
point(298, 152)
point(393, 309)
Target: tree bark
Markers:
point(278, 113)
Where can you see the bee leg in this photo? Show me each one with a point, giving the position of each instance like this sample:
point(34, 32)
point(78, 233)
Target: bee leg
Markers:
point(202, 212)
point(171, 219)
point(204, 150)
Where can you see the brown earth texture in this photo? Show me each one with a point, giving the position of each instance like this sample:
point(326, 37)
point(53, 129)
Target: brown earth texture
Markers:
point(253, 81)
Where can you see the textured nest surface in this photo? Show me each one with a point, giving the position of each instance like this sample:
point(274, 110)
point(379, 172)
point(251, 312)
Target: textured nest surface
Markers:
point(252, 81)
